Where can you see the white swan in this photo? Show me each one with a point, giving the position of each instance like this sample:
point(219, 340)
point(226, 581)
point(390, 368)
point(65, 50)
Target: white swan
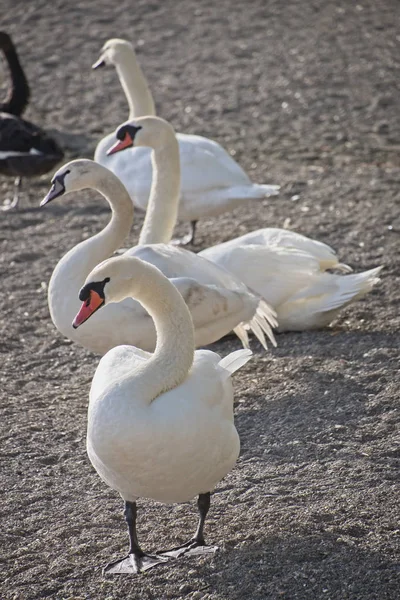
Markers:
point(212, 182)
point(287, 269)
point(217, 301)
point(160, 425)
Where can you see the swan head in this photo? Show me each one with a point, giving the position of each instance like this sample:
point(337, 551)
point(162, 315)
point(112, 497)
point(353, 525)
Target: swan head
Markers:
point(74, 176)
point(113, 280)
point(152, 132)
point(114, 52)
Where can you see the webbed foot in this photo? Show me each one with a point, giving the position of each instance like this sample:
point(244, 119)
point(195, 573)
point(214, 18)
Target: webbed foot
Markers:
point(134, 564)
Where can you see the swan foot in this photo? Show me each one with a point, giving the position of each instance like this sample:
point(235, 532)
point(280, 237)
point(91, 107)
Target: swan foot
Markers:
point(188, 238)
point(10, 204)
point(192, 548)
point(136, 561)
point(197, 545)
point(134, 564)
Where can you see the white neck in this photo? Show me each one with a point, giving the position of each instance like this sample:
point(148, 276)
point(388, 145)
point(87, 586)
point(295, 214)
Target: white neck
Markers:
point(135, 86)
point(72, 270)
point(174, 353)
point(162, 208)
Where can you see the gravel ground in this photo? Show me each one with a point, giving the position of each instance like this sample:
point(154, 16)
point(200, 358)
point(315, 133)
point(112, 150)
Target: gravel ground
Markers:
point(305, 94)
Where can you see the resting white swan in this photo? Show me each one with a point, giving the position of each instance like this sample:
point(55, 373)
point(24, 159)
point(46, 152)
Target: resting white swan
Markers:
point(287, 269)
point(160, 425)
point(218, 301)
point(212, 182)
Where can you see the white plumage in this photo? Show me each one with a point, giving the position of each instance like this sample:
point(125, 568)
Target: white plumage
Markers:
point(290, 271)
point(160, 425)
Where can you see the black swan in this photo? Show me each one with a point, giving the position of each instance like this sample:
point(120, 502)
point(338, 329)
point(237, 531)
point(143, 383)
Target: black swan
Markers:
point(26, 150)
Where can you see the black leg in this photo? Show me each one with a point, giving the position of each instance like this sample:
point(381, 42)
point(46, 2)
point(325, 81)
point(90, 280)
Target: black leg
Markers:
point(197, 544)
point(137, 561)
point(8, 205)
point(187, 239)
point(203, 505)
point(193, 231)
point(130, 513)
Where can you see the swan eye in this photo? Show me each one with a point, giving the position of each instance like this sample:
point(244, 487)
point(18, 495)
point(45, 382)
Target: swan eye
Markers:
point(97, 287)
point(133, 130)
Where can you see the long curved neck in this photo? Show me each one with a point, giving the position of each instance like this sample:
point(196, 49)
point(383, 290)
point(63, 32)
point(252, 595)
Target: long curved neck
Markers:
point(134, 84)
point(174, 352)
point(19, 93)
point(104, 243)
point(73, 268)
point(163, 205)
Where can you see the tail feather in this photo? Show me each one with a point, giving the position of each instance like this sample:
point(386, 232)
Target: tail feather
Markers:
point(267, 190)
point(255, 191)
point(235, 360)
point(258, 332)
point(352, 287)
point(242, 334)
point(263, 322)
point(343, 268)
point(261, 325)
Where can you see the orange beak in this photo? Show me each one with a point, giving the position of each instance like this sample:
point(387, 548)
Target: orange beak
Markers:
point(88, 307)
point(119, 145)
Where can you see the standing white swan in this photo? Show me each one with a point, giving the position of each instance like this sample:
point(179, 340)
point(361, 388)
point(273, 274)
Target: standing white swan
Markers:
point(212, 182)
point(160, 425)
point(289, 270)
point(218, 301)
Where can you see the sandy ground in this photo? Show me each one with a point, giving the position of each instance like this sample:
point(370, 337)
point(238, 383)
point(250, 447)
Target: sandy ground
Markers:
point(305, 94)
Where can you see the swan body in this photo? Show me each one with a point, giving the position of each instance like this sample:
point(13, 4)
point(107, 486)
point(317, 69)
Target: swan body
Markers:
point(26, 150)
point(160, 425)
point(195, 415)
point(290, 271)
point(211, 182)
point(218, 301)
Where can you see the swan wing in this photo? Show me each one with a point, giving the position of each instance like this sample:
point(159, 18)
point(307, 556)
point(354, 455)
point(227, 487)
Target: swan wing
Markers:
point(133, 167)
point(205, 165)
point(272, 271)
point(231, 299)
point(178, 262)
point(272, 236)
point(215, 310)
point(115, 366)
point(18, 136)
